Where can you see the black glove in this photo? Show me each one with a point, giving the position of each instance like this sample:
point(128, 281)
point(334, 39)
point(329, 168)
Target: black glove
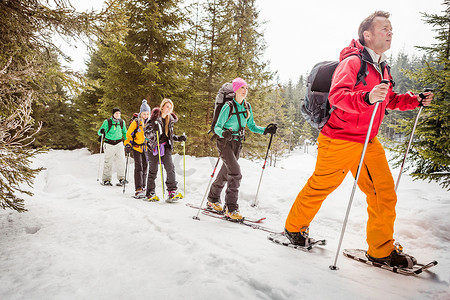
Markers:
point(182, 138)
point(227, 134)
point(128, 148)
point(102, 131)
point(271, 128)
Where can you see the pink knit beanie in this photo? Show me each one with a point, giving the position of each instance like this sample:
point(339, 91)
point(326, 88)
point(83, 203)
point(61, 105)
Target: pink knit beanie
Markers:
point(237, 83)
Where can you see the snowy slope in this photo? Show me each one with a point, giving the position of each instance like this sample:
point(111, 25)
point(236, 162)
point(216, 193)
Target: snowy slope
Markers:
point(80, 240)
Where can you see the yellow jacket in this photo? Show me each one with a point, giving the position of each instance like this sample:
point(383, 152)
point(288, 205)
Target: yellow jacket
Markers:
point(136, 137)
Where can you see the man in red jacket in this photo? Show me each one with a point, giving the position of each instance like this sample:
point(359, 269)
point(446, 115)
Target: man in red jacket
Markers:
point(341, 141)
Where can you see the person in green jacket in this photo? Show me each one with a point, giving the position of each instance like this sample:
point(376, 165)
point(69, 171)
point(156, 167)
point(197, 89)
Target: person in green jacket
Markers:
point(230, 129)
point(113, 130)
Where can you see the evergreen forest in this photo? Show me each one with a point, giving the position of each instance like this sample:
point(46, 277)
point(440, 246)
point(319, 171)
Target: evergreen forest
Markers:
point(185, 51)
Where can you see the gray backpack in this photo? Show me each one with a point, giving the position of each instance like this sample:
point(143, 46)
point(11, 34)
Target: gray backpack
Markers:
point(225, 94)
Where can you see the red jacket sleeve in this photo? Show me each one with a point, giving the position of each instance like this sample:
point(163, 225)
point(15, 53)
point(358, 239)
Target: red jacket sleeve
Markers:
point(403, 101)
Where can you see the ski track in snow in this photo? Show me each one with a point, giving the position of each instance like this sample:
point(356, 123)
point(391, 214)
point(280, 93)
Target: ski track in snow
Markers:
point(80, 240)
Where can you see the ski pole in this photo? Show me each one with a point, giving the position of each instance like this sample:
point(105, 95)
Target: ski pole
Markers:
point(100, 157)
point(207, 189)
point(262, 172)
point(126, 173)
point(184, 168)
point(421, 95)
point(160, 164)
point(366, 142)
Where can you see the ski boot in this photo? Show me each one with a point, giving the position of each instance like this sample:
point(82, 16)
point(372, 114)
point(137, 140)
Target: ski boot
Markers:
point(235, 215)
point(298, 238)
point(107, 183)
point(215, 206)
point(397, 258)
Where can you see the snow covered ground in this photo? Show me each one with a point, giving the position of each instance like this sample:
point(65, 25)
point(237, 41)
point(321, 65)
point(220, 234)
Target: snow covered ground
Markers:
point(80, 240)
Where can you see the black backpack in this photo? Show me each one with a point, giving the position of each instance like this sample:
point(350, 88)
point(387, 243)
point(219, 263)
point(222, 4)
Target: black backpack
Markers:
point(316, 108)
point(133, 118)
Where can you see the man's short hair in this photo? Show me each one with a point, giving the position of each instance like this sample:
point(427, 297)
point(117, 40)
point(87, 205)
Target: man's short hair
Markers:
point(367, 23)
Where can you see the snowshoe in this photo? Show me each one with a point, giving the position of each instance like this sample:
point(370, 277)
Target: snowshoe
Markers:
point(152, 198)
point(361, 256)
point(174, 197)
point(283, 239)
point(396, 259)
point(106, 183)
point(300, 238)
point(139, 194)
point(122, 182)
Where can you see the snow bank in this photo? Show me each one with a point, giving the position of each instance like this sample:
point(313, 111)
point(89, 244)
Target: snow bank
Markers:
point(80, 240)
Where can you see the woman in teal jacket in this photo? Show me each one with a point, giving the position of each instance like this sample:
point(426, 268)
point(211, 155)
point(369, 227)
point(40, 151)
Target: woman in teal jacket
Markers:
point(233, 118)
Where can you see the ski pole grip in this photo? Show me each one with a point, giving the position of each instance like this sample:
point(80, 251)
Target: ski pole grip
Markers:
point(422, 96)
point(385, 81)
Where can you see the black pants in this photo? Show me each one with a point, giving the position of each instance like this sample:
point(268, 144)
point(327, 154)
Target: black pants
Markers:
point(167, 161)
point(230, 173)
point(140, 169)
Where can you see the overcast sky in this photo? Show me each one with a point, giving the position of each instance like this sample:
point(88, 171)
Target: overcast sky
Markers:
point(299, 33)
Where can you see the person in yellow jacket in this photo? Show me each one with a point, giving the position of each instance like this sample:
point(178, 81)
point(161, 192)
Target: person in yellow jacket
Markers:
point(137, 144)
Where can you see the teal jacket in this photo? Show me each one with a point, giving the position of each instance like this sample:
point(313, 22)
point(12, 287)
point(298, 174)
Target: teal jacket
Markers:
point(116, 132)
point(224, 123)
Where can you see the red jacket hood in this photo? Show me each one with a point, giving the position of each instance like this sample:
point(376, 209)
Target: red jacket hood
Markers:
point(355, 48)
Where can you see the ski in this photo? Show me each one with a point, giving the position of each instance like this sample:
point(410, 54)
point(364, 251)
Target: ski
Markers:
point(243, 222)
point(280, 238)
point(360, 255)
point(251, 220)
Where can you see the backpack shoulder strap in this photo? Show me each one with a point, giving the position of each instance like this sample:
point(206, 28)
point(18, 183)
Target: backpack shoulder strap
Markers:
point(362, 73)
point(133, 134)
point(237, 115)
point(230, 104)
point(384, 66)
point(109, 125)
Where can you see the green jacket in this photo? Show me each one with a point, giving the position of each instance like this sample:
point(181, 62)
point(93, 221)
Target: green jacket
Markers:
point(224, 123)
point(116, 132)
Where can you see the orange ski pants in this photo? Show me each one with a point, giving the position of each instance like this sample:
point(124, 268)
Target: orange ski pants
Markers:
point(335, 158)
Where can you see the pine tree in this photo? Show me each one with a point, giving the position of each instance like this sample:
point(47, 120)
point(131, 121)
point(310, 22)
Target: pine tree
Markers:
point(401, 69)
point(148, 62)
point(141, 57)
point(430, 152)
point(228, 44)
point(211, 66)
point(26, 74)
point(249, 47)
point(54, 109)
point(87, 104)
